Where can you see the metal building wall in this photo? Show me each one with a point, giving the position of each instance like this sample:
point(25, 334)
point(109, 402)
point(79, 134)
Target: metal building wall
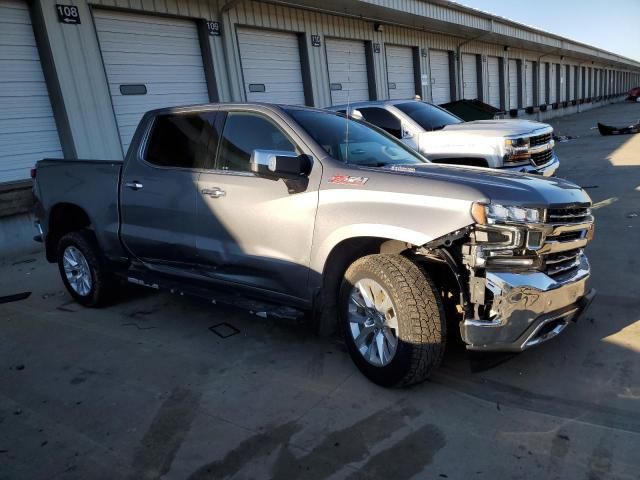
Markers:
point(78, 64)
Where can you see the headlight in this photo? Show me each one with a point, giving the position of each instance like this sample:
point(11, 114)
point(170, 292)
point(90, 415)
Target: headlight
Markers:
point(516, 151)
point(494, 213)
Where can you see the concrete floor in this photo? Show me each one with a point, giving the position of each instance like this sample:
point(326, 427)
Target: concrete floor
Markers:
point(145, 390)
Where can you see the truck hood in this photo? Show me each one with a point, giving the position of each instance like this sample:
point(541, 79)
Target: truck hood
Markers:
point(507, 188)
point(499, 128)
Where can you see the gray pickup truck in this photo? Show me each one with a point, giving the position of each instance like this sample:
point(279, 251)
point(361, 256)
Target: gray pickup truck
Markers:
point(288, 210)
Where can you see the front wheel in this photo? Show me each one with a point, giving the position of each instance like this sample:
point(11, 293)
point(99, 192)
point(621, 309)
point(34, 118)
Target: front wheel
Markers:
point(83, 271)
point(393, 320)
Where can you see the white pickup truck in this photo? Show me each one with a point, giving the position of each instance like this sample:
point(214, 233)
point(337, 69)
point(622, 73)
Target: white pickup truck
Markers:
point(518, 145)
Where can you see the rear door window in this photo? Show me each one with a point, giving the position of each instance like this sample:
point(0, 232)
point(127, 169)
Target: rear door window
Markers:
point(187, 140)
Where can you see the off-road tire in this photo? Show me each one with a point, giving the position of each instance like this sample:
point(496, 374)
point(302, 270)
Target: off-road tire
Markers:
point(103, 282)
point(421, 319)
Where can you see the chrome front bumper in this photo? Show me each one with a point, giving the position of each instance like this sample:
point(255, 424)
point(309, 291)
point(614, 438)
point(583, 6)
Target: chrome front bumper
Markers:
point(546, 170)
point(530, 308)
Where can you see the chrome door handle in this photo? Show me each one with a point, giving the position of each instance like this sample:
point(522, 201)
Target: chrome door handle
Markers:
point(135, 185)
point(214, 192)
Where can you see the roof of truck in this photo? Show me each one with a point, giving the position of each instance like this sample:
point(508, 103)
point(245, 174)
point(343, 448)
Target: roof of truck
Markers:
point(215, 106)
point(376, 103)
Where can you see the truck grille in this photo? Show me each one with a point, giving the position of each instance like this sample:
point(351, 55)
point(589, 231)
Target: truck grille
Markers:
point(569, 215)
point(540, 139)
point(542, 157)
point(562, 263)
point(567, 236)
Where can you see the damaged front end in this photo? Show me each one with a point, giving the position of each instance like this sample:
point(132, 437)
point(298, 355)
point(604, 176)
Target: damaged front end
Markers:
point(522, 274)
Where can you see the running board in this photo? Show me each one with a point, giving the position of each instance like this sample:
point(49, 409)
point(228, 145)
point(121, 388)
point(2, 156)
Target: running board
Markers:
point(256, 307)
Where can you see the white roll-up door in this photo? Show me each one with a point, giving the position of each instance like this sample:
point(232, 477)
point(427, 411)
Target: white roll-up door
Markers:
point(528, 78)
point(440, 76)
point(151, 62)
point(513, 84)
point(552, 83)
point(271, 66)
point(27, 128)
point(347, 65)
point(493, 70)
point(469, 76)
point(401, 78)
point(542, 91)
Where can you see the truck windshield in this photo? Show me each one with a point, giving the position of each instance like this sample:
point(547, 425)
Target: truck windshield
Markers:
point(428, 116)
point(352, 141)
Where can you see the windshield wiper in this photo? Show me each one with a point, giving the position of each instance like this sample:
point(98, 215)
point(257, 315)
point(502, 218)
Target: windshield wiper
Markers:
point(439, 127)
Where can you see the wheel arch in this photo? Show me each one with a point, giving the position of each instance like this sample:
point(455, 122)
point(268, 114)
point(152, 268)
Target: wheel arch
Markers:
point(336, 262)
point(64, 218)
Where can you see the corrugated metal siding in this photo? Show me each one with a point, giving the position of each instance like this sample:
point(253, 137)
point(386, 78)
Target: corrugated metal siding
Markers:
point(310, 23)
point(27, 128)
point(86, 94)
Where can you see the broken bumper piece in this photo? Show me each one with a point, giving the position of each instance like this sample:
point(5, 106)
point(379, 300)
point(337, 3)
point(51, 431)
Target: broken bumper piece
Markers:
point(528, 309)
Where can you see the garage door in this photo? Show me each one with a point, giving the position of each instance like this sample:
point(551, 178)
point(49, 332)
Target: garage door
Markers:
point(552, 83)
point(151, 62)
point(513, 84)
point(347, 65)
point(528, 85)
point(493, 70)
point(440, 76)
point(271, 66)
point(27, 128)
point(543, 84)
point(400, 72)
point(469, 77)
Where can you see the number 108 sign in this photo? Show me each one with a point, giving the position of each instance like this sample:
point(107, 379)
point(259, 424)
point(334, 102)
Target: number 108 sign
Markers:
point(68, 14)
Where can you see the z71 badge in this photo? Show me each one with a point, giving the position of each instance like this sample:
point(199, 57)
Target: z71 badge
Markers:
point(348, 180)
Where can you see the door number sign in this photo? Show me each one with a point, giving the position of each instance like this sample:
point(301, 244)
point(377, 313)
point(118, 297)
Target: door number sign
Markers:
point(213, 28)
point(68, 14)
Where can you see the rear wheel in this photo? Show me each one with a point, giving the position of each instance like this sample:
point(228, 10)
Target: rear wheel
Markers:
point(393, 320)
point(83, 271)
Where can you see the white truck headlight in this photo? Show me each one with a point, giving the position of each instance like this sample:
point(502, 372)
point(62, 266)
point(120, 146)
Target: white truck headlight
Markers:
point(516, 151)
point(494, 213)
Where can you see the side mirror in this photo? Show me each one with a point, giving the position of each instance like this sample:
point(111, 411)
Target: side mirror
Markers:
point(276, 164)
point(406, 132)
point(356, 114)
